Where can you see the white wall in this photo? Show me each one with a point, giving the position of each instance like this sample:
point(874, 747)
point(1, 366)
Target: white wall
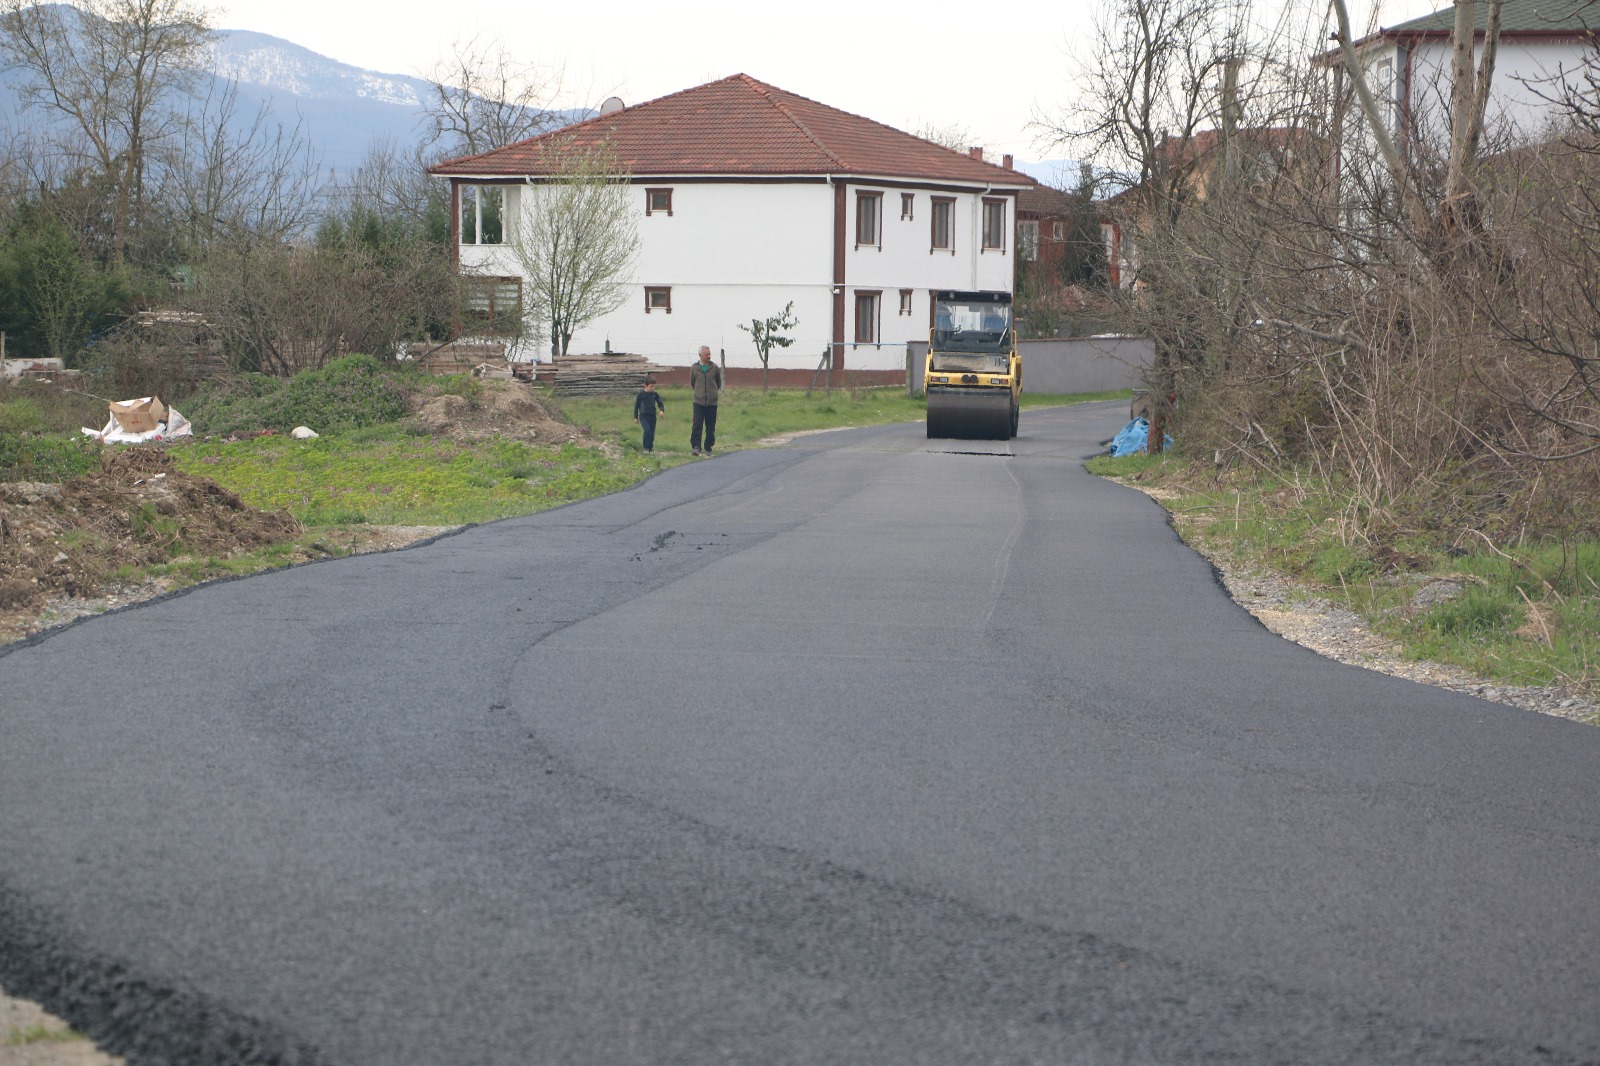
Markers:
point(906, 259)
point(1528, 75)
point(731, 252)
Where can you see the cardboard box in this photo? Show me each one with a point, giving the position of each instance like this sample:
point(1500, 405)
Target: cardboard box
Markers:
point(138, 416)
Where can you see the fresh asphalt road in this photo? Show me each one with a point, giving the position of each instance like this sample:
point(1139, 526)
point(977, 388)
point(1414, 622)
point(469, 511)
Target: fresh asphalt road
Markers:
point(866, 749)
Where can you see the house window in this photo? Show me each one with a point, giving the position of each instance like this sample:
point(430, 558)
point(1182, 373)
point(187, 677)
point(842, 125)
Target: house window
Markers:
point(1028, 240)
point(658, 298)
point(944, 209)
point(868, 206)
point(905, 301)
point(907, 205)
point(658, 201)
point(1387, 91)
point(867, 317)
point(483, 214)
point(1058, 231)
point(491, 305)
point(994, 225)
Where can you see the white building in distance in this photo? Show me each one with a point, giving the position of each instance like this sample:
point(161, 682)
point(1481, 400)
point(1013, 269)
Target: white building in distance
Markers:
point(1547, 49)
point(748, 198)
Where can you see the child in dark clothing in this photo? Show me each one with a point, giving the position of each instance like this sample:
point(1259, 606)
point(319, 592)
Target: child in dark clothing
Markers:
point(645, 405)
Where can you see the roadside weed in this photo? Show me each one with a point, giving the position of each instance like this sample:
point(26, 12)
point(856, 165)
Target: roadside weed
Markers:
point(1524, 614)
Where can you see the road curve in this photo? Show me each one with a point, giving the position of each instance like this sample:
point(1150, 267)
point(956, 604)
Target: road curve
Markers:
point(866, 749)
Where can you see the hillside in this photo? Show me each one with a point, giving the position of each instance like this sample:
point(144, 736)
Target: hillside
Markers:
point(344, 108)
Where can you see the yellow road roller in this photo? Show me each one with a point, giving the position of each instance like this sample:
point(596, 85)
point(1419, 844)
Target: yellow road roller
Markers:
point(974, 375)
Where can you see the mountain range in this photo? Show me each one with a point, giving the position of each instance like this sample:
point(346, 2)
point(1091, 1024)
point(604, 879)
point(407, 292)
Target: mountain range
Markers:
point(344, 109)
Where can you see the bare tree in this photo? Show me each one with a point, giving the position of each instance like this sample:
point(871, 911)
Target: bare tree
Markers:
point(484, 98)
point(223, 179)
point(1454, 213)
point(392, 184)
point(112, 68)
point(576, 241)
point(1154, 79)
point(951, 135)
point(281, 309)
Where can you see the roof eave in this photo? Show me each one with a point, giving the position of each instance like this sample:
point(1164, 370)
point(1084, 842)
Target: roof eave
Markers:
point(1014, 180)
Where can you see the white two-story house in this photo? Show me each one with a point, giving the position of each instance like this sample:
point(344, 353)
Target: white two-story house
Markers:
point(1547, 49)
point(748, 198)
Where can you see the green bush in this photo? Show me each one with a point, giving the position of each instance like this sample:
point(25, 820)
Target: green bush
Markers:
point(21, 415)
point(50, 459)
point(347, 394)
point(40, 407)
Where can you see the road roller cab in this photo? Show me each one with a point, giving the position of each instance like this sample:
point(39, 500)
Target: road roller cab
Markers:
point(973, 376)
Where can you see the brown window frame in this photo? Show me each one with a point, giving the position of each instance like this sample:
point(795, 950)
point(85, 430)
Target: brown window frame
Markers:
point(649, 202)
point(494, 323)
point(905, 301)
point(655, 290)
point(871, 298)
point(908, 206)
point(873, 202)
point(989, 203)
point(945, 205)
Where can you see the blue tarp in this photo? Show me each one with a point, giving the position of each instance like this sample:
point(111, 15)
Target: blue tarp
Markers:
point(1133, 438)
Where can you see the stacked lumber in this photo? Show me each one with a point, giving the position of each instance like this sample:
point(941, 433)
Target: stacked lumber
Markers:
point(590, 375)
point(459, 356)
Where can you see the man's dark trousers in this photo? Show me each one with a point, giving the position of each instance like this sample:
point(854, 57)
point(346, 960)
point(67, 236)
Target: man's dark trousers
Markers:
point(705, 416)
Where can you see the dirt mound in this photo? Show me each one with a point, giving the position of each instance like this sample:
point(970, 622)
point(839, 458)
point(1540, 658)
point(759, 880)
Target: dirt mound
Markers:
point(137, 509)
point(505, 409)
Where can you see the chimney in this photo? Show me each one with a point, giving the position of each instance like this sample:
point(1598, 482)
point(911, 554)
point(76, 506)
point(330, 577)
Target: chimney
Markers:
point(1005, 161)
point(976, 153)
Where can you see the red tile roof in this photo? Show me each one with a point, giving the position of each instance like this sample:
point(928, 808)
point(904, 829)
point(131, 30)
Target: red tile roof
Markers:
point(739, 126)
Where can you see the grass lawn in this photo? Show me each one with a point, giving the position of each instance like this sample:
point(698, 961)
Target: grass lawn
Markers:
point(745, 417)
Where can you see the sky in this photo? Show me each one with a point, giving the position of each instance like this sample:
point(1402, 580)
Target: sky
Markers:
point(986, 70)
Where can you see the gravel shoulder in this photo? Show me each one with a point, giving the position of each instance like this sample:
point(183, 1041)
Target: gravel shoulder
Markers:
point(1293, 611)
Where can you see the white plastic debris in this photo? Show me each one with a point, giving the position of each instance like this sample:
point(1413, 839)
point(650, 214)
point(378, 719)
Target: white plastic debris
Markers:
point(149, 421)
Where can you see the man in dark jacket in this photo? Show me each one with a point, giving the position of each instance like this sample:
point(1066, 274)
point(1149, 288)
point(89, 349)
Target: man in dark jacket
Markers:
point(705, 378)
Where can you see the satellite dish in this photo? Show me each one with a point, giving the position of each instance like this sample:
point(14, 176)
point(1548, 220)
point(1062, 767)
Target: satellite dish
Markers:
point(612, 105)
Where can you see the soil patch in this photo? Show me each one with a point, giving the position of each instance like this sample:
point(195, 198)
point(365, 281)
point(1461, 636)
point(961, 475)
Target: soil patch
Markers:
point(506, 409)
point(65, 550)
point(75, 540)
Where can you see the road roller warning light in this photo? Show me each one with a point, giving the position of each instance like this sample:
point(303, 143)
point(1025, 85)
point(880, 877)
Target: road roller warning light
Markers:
point(970, 347)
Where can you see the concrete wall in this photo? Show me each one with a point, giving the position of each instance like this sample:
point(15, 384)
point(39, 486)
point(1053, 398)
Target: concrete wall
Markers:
point(1068, 364)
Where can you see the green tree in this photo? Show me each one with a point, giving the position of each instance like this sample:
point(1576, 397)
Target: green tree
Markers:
point(768, 333)
point(576, 242)
point(52, 300)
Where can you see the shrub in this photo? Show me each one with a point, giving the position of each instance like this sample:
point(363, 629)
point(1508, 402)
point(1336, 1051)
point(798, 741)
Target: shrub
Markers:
point(46, 458)
point(348, 393)
point(40, 407)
